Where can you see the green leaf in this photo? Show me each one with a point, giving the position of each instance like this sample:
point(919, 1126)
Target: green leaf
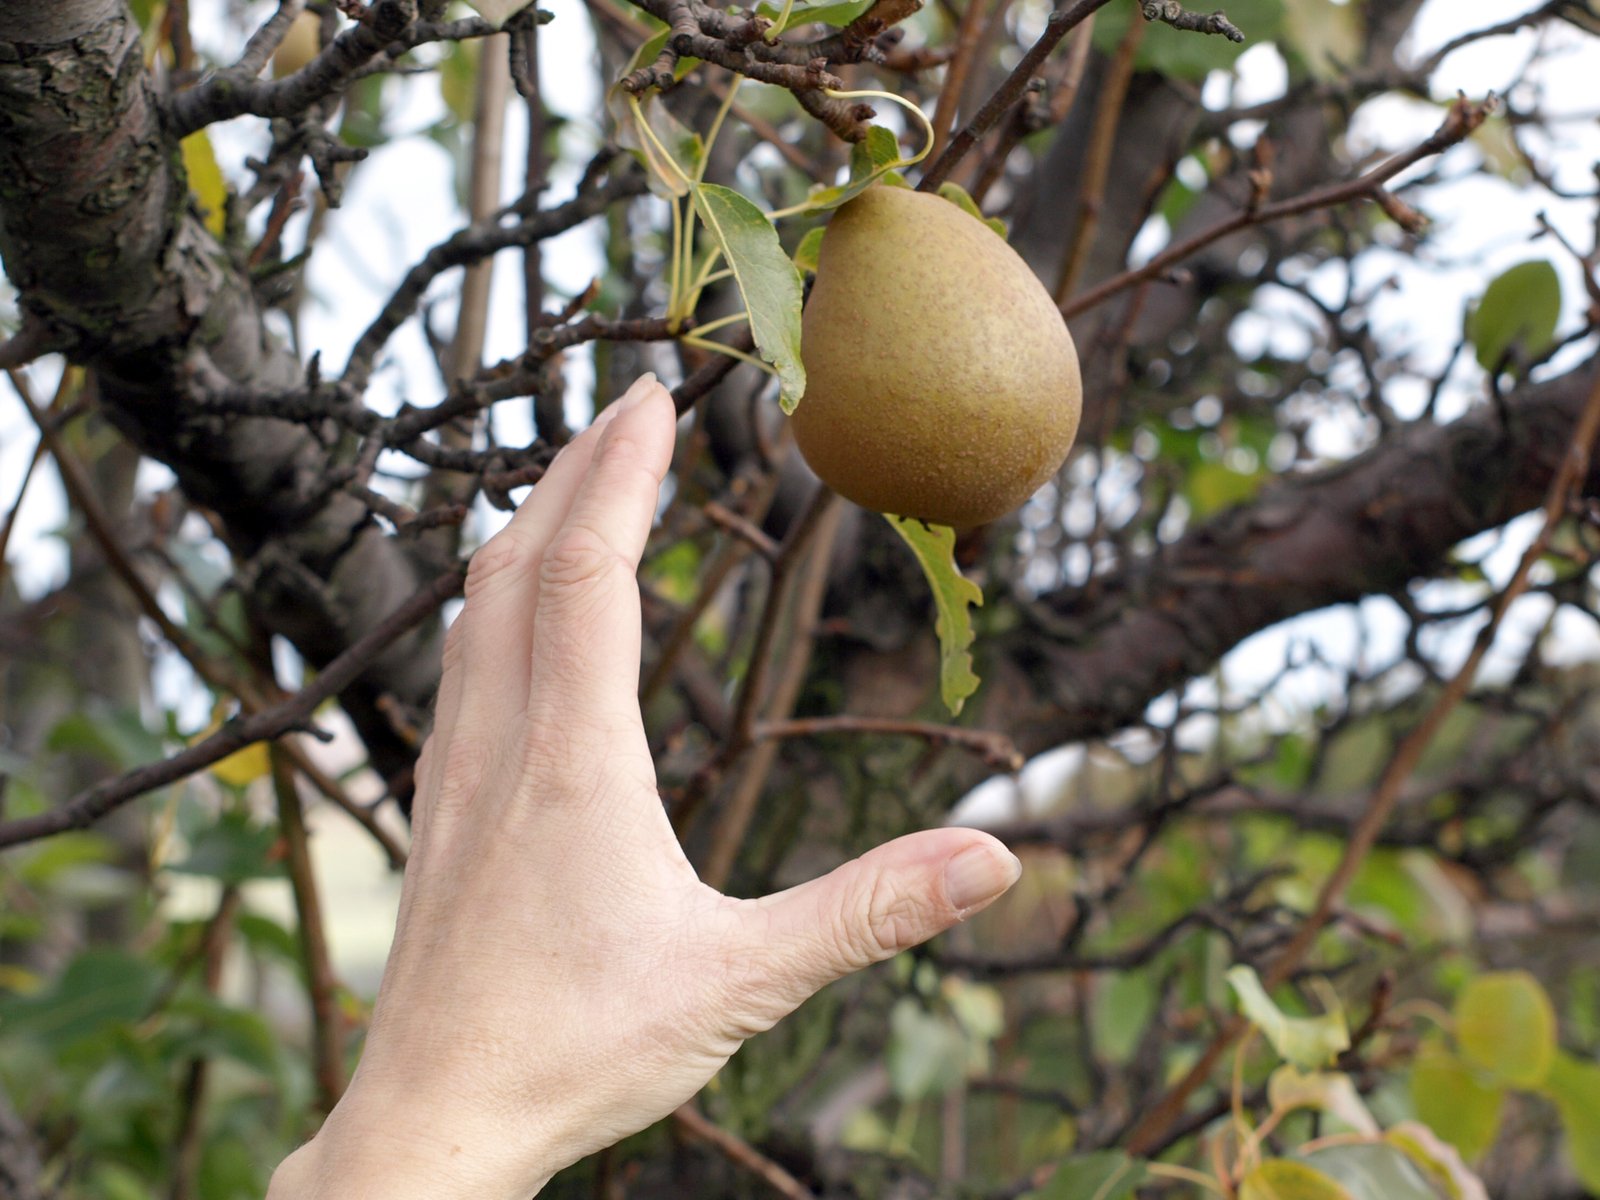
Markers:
point(1373, 1172)
point(871, 159)
point(1575, 1088)
point(927, 1053)
point(458, 78)
point(98, 988)
point(873, 154)
point(1437, 1160)
point(1104, 1175)
point(1285, 1179)
point(1453, 1101)
point(203, 1027)
point(1123, 1006)
point(1506, 1025)
point(1211, 486)
point(233, 850)
point(1307, 1042)
point(767, 280)
point(836, 15)
point(809, 251)
point(1517, 316)
point(953, 594)
point(962, 199)
point(1328, 38)
point(229, 1170)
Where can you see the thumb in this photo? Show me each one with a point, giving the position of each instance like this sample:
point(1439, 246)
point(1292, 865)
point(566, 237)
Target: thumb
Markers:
point(870, 909)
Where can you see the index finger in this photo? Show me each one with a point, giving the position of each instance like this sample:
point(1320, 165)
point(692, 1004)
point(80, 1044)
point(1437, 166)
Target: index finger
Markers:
point(586, 630)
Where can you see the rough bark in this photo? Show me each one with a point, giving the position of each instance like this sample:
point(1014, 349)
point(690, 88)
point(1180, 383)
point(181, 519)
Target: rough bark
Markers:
point(1366, 527)
point(98, 233)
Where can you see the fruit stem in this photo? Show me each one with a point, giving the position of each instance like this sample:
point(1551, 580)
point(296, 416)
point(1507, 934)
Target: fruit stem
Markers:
point(675, 273)
point(921, 116)
point(701, 330)
point(719, 348)
point(661, 150)
point(716, 122)
point(780, 24)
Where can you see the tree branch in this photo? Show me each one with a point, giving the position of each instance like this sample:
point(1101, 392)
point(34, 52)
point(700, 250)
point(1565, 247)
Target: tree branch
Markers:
point(1574, 471)
point(89, 806)
point(1463, 118)
point(1060, 23)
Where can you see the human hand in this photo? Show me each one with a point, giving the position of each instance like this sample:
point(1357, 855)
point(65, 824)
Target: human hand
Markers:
point(559, 977)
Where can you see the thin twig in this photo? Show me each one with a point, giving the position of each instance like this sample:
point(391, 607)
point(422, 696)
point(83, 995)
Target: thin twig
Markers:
point(1061, 23)
point(90, 805)
point(992, 746)
point(1170, 12)
point(190, 1141)
point(815, 553)
point(955, 74)
point(1464, 117)
point(327, 1024)
point(1052, 110)
point(252, 696)
point(1097, 160)
point(740, 1152)
point(1569, 478)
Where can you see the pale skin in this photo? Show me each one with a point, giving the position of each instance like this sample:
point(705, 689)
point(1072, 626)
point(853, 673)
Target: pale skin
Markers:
point(559, 977)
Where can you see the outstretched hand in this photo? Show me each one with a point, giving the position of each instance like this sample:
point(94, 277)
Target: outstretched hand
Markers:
point(559, 977)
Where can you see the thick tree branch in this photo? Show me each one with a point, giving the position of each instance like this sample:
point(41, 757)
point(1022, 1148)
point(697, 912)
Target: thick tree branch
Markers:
point(1362, 528)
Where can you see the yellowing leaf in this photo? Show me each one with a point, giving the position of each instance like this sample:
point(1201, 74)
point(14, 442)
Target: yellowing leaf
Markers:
point(1328, 37)
point(1331, 1092)
point(1437, 1160)
point(300, 45)
point(1453, 1101)
point(242, 767)
point(206, 183)
point(1506, 1025)
point(767, 280)
point(1284, 1179)
point(19, 979)
point(1307, 1042)
point(953, 594)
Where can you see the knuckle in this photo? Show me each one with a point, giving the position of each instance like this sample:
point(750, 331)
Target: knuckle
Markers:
point(578, 560)
point(500, 556)
point(891, 922)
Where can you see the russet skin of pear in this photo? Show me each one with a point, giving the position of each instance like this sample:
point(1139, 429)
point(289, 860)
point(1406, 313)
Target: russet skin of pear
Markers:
point(941, 381)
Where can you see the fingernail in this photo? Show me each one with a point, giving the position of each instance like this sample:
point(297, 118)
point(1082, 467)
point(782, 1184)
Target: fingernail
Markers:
point(640, 389)
point(978, 874)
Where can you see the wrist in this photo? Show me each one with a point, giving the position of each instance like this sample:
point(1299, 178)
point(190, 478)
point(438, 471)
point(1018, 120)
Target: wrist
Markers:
point(365, 1156)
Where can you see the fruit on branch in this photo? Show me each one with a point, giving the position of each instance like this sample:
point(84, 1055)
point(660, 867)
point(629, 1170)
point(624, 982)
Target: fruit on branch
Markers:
point(941, 381)
point(300, 45)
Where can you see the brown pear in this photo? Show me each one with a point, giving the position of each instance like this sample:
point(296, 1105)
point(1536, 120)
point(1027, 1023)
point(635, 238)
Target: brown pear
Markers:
point(941, 381)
